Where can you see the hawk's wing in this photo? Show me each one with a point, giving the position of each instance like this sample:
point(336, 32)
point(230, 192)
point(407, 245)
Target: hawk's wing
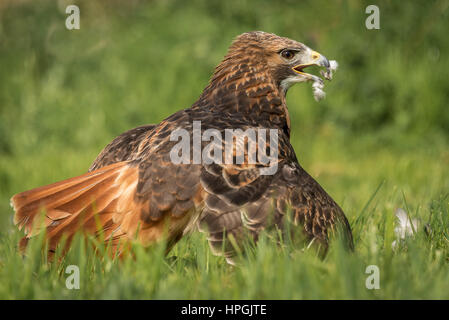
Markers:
point(124, 147)
point(241, 203)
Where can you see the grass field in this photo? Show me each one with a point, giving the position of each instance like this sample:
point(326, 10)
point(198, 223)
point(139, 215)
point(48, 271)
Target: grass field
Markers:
point(380, 140)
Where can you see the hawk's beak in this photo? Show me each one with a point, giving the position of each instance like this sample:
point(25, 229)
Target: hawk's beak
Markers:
point(315, 59)
point(321, 60)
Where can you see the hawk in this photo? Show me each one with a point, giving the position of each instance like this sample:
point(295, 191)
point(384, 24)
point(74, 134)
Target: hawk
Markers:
point(134, 191)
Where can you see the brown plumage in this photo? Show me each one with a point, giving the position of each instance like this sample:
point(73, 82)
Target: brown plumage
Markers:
point(133, 191)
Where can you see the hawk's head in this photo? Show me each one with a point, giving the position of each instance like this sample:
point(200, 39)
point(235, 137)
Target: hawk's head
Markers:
point(283, 59)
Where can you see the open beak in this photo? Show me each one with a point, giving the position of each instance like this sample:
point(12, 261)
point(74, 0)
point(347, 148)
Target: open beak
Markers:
point(316, 59)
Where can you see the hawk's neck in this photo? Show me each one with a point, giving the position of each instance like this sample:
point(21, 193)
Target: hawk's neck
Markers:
point(247, 91)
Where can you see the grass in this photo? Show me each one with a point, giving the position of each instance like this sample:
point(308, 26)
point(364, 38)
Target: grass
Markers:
point(378, 142)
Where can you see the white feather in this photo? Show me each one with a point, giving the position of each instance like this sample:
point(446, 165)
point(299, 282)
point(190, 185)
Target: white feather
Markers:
point(405, 227)
point(333, 65)
point(318, 92)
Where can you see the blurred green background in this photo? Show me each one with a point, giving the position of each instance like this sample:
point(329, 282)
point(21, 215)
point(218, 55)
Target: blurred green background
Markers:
point(65, 94)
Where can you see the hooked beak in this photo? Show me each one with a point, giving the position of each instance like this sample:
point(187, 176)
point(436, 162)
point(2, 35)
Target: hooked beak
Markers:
point(315, 59)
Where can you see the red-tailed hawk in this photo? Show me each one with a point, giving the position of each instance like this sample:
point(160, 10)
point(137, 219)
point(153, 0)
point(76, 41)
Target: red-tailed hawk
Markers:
point(135, 191)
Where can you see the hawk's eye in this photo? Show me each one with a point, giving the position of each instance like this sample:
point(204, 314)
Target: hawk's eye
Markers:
point(287, 54)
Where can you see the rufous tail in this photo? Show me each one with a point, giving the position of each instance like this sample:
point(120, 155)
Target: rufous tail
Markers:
point(85, 203)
